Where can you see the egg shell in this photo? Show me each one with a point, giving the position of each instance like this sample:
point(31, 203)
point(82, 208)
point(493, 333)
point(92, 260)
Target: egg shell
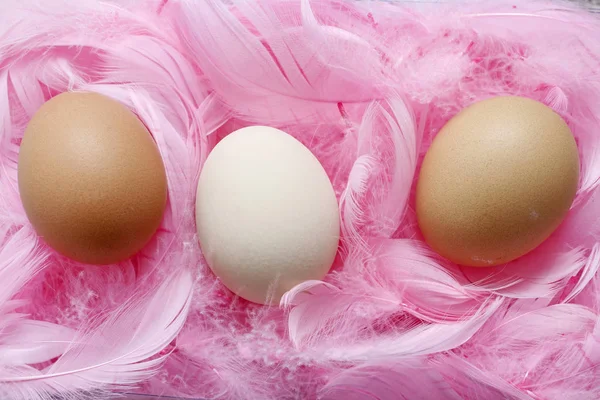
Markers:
point(267, 215)
point(91, 178)
point(497, 180)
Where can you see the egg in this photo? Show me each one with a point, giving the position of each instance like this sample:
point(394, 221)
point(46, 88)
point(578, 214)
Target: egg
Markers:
point(266, 212)
point(498, 179)
point(91, 178)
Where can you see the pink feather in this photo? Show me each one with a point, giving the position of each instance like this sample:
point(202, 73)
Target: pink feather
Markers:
point(287, 81)
point(387, 142)
point(365, 86)
point(20, 260)
point(339, 325)
point(403, 379)
point(537, 354)
point(121, 350)
point(33, 342)
point(474, 383)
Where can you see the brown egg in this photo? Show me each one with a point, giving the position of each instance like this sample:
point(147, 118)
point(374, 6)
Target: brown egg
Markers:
point(91, 178)
point(497, 181)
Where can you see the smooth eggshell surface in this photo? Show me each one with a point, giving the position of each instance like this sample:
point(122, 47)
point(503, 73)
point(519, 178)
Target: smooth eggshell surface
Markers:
point(497, 180)
point(91, 178)
point(266, 212)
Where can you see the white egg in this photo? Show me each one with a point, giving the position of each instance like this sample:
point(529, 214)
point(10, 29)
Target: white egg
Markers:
point(266, 214)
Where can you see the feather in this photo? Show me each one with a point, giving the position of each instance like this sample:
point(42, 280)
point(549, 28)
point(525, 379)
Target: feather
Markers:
point(353, 215)
point(161, 63)
point(28, 91)
point(406, 379)
point(263, 69)
point(585, 211)
point(5, 120)
point(405, 279)
point(28, 26)
point(371, 206)
point(586, 275)
point(420, 340)
point(122, 349)
point(20, 260)
point(590, 156)
point(326, 319)
point(32, 342)
point(557, 100)
point(474, 383)
point(532, 351)
point(573, 318)
point(355, 48)
point(345, 314)
point(429, 290)
point(365, 86)
point(591, 345)
point(541, 273)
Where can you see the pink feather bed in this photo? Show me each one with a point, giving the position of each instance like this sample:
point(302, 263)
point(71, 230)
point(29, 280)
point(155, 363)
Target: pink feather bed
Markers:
point(366, 86)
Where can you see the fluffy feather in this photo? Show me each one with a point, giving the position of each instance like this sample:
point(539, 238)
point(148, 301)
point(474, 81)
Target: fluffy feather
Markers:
point(366, 86)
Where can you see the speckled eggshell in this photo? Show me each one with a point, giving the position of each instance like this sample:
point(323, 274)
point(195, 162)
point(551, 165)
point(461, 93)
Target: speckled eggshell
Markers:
point(91, 178)
point(497, 180)
point(266, 213)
